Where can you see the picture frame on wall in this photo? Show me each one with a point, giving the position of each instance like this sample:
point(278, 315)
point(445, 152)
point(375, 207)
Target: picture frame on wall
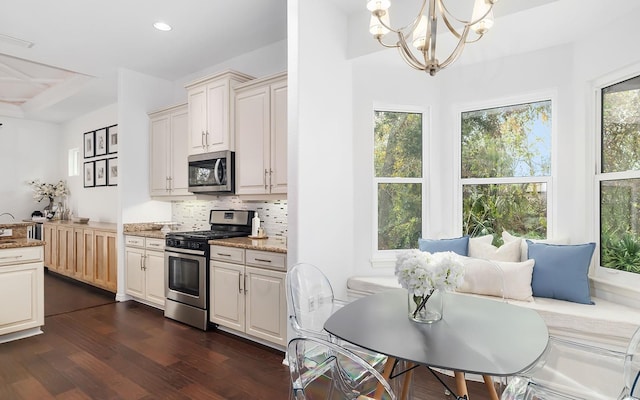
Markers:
point(101, 142)
point(88, 174)
point(112, 171)
point(112, 139)
point(89, 145)
point(101, 172)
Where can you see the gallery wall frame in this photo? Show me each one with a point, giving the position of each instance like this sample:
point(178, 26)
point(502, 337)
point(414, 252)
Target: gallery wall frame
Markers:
point(89, 144)
point(101, 142)
point(112, 139)
point(88, 174)
point(112, 171)
point(100, 172)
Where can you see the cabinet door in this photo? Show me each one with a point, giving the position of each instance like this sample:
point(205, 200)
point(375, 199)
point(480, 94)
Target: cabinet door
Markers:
point(179, 171)
point(134, 264)
point(88, 261)
point(154, 277)
point(266, 305)
point(78, 252)
point(252, 135)
point(279, 129)
point(159, 155)
point(66, 264)
point(226, 301)
point(21, 287)
point(197, 98)
point(50, 246)
point(105, 260)
point(217, 136)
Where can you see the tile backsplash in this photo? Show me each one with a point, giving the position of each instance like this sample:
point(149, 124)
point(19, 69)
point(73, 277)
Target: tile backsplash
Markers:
point(194, 214)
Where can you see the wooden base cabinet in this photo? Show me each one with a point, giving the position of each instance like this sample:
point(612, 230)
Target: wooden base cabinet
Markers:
point(144, 261)
point(85, 253)
point(249, 296)
point(21, 290)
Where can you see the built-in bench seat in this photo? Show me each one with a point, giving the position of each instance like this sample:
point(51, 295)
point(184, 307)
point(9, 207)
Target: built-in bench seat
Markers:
point(604, 324)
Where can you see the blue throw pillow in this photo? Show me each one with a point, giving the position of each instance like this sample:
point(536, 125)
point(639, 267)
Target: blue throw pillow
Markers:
point(457, 245)
point(561, 271)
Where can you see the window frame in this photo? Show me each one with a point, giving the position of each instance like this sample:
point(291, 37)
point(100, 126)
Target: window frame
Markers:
point(610, 283)
point(546, 95)
point(386, 258)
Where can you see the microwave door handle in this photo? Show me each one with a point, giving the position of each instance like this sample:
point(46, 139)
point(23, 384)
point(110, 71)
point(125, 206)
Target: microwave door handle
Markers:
point(216, 176)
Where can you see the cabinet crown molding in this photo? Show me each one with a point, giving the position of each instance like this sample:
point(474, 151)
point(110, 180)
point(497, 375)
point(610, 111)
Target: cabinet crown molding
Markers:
point(262, 81)
point(231, 74)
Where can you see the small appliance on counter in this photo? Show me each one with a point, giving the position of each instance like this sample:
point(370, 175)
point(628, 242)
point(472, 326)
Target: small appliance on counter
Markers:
point(186, 265)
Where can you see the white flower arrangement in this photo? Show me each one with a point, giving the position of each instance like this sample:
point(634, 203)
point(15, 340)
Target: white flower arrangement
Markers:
point(48, 190)
point(421, 272)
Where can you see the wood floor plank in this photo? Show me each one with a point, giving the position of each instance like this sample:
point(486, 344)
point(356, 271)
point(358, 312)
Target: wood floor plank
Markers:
point(31, 389)
point(73, 394)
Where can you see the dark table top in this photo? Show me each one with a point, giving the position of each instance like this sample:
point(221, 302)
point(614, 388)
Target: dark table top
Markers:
point(475, 335)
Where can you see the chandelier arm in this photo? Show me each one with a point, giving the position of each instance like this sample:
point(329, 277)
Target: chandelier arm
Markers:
point(389, 46)
point(410, 26)
point(444, 10)
point(407, 54)
point(433, 31)
point(457, 51)
point(450, 26)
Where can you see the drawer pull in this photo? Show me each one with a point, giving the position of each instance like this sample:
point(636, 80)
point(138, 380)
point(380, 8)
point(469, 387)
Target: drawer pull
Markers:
point(263, 260)
point(10, 257)
point(223, 254)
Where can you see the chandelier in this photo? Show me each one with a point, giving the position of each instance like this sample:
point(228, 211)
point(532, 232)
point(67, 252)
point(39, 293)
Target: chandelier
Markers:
point(423, 30)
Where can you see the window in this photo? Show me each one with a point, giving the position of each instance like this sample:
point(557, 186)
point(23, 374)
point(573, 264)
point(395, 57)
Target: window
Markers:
point(72, 162)
point(398, 178)
point(618, 176)
point(506, 169)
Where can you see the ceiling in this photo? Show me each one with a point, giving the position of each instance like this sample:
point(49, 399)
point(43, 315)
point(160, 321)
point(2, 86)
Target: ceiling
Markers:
point(78, 46)
point(61, 62)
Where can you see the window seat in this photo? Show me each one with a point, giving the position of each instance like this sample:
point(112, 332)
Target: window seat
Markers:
point(604, 324)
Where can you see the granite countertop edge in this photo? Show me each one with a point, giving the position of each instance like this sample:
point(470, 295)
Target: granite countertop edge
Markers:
point(19, 243)
point(272, 245)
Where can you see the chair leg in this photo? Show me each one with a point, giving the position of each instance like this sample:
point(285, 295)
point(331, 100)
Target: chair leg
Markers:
point(493, 395)
point(406, 384)
point(461, 384)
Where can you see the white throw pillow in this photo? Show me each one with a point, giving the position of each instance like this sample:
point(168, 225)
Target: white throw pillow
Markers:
point(474, 242)
point(483, 277)
point(524, 249)
point(507, 252)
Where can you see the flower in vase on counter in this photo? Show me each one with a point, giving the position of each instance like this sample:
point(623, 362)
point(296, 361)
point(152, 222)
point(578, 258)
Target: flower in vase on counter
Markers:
point(421, 272)
point(48, 190)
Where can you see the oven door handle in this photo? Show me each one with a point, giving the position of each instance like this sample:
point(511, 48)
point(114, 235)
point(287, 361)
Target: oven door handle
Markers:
point(176, 252)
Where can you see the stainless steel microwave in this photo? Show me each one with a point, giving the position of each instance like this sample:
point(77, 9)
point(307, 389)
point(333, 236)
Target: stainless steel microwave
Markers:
point(212, 172)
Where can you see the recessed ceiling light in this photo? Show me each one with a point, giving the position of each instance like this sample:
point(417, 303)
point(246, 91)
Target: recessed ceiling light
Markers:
point(161, 26)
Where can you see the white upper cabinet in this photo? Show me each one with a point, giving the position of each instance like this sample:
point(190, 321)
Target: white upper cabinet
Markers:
point(261, 136)
point(210, 110)
point(168, 172)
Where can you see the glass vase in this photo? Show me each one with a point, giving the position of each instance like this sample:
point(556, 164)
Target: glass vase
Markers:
point(425, 309)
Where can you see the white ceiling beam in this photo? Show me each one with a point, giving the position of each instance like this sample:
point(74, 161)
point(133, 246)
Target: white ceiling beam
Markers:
point(17, 74)
point(45, 81)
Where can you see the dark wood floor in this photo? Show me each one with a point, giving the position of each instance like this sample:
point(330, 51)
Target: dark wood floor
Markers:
point(130, 351)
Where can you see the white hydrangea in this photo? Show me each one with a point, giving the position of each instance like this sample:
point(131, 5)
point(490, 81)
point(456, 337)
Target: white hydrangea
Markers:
point(48, 190)
point(421, 272)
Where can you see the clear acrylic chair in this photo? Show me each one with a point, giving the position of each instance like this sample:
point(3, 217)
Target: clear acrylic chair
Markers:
point(311, 302)
point(631, 389)
point(570, 370)
point(317, 369)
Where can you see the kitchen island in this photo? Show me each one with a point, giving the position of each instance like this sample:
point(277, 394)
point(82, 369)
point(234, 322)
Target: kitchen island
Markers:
point(21, 283)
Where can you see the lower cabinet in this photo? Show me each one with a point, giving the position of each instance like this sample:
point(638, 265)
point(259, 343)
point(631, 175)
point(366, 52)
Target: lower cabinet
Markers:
point(247, 292)
point(144, 264)
point(21, 290)
point(85, 253)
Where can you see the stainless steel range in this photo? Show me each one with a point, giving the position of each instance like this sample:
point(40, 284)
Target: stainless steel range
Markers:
point(186, 265)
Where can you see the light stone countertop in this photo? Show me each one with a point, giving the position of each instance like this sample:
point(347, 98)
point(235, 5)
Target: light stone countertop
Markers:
point(102, 226)
point(154, 233)
point(273, 244)
point(20, 242)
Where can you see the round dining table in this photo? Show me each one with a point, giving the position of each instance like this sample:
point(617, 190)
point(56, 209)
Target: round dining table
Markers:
point(476, 335)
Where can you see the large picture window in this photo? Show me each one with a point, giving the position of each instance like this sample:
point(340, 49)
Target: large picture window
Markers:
point(619, 176)
point(398, 178)
point(505, 169)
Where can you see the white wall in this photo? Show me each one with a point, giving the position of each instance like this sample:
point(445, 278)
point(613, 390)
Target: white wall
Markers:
point(28, 150)
point(97, 203)
point(321, 229)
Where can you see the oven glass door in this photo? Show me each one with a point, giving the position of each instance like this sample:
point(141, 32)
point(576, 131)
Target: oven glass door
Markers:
point(186, 278)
